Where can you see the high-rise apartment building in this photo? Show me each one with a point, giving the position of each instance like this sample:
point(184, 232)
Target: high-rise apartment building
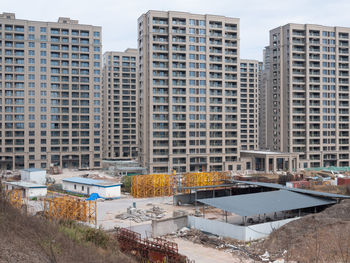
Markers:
point(308, 99)
point(189, 91)
point(120, 104)
point(50, 85)
point(262, 98)
point(249, 119)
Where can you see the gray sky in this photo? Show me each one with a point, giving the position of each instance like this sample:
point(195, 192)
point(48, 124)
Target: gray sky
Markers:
point(118, 18)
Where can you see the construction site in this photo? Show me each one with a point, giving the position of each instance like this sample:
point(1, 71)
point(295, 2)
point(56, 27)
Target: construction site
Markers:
point(176, 217)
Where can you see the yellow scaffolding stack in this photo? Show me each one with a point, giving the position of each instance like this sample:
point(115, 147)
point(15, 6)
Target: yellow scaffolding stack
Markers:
point(69, 208)
point(14, 197)
point(202, 179)
point(152, 185)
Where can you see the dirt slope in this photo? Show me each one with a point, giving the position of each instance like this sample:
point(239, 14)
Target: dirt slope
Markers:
point(322, 237)
point(31, 239)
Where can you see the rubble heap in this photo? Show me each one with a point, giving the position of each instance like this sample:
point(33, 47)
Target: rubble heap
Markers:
point(140, 215)
point(228, 245)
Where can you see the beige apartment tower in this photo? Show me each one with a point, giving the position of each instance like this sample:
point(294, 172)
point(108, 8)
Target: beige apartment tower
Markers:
point(50, 92)
point(120, 104)
point(189, 91)
point(308, 97)
point(262, 98)
point(249, 119)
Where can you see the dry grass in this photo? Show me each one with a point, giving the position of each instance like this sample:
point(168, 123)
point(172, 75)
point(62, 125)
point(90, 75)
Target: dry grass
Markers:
point(30, 239)
point(322, 237)
point(335, 189)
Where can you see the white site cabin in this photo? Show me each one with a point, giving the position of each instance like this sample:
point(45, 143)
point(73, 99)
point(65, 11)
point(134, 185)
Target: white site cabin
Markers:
point(29, 190)
point(87, 186)
point(34, 175)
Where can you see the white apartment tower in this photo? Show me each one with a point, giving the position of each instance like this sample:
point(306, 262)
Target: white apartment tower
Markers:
point(249, 119)
point(189, 91)
point(49, 94)
point(308, 98)
point(120, 104)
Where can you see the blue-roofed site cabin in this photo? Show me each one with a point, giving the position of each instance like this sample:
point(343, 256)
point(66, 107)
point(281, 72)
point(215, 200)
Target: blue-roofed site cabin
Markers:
point(86, 186)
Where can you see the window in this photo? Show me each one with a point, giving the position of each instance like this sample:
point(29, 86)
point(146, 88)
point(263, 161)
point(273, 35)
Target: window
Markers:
point(75, 187)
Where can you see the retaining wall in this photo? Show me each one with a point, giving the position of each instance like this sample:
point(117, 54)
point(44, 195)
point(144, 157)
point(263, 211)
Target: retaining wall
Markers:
point(168, 225)
point(245, 233)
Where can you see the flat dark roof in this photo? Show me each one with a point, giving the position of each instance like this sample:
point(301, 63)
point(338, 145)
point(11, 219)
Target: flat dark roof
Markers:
point(303, 191)
point(265, 202)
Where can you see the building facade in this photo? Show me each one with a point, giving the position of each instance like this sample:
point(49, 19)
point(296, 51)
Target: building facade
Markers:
point(120, 105)
point(50, 85)
point(262, 98)
point(189, 91)
point(249, 119)
point(309, 93)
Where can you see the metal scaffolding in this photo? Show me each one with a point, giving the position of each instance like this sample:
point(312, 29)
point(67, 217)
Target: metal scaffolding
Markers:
point(14, 197)
point(71, 209)
point(202, 179)
point(152, 185)
point(149, 250)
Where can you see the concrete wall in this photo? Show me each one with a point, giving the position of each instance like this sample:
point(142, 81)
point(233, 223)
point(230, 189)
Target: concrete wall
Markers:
point(245, 233)
point(217, 227)
point(168, 225)
point(262, 230)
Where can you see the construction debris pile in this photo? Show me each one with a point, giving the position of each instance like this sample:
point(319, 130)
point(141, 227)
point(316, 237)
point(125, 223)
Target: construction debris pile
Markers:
point(226, 244)
point(9, 174)
point(196, 236)
point(140, 215)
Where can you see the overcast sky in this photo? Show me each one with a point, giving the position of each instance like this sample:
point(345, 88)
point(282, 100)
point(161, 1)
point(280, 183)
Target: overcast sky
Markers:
point(118, 18)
